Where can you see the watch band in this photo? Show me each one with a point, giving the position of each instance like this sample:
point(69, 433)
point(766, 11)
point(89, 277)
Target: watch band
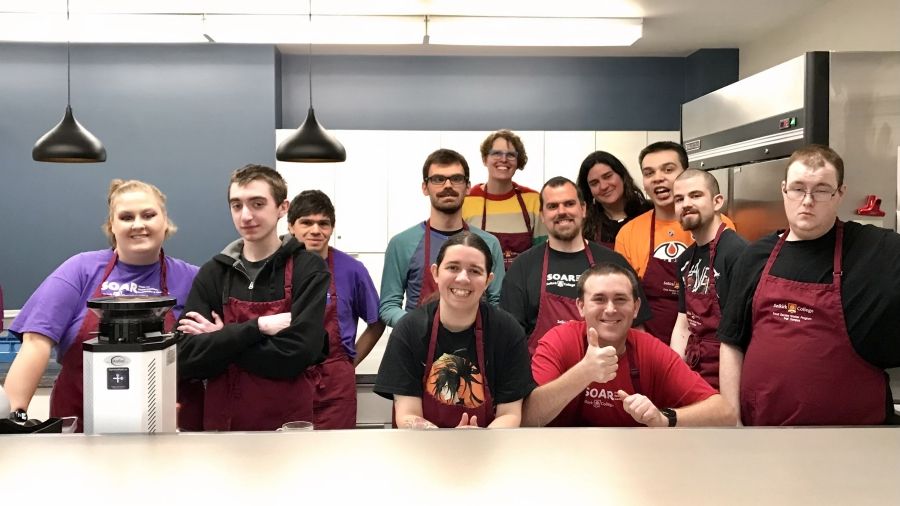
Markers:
point(671, 415)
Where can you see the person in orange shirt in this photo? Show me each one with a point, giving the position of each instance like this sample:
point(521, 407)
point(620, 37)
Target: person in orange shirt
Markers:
point(658, 231)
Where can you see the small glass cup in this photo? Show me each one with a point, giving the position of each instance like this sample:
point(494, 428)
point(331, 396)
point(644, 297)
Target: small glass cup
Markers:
point(69, 424)
point(297, 426)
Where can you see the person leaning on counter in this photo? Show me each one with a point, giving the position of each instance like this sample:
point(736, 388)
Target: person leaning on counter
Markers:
point(602, 373)
point(253, 322)
point(703, 271)
point(813, 315)
point(56, 314)
point(500, 206)
point(653, 241)
point(457, 361)
point(351, 297)
point(445, 181)
point(541, 303)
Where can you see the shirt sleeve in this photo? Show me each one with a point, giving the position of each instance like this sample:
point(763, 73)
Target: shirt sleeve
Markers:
point(403, 365)
point(493, 290)
point(304, 342)
point(365, 300)
point(622, 245)
point(393, 284)
point(514, 380)
point(56, 303)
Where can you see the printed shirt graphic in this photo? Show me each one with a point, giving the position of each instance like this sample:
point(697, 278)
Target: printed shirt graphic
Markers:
point(455, 381)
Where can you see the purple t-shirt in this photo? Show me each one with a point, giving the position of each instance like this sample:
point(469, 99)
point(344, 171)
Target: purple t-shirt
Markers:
point(57, 308)
point(357, 297)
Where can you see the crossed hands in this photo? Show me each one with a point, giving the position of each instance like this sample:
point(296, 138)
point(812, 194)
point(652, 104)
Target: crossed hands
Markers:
point(194, 323)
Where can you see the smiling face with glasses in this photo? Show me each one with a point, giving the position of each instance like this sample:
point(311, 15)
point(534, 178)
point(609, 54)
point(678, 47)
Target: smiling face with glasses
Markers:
point(501, 162)
point(811, 200)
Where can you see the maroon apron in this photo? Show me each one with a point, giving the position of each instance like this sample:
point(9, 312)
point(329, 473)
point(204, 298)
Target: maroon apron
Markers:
point(660, 284)
point(334, 405)
point(703, 316)
point(553, 309)
point(590, 414)
point(239, 400)
point(512, 243)
point(800, 367)
point(67, 396)
point(429, 290)
point(446, 416)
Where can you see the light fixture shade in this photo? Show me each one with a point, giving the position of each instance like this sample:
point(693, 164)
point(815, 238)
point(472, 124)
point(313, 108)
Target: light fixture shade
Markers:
point(68, 142)
point(311, 143)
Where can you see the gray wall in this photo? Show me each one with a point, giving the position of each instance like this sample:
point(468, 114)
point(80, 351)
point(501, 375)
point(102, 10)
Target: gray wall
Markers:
point(181, 117)
point(484, 93)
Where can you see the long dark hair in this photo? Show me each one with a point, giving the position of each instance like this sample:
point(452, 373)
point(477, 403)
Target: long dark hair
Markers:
point(635, 201)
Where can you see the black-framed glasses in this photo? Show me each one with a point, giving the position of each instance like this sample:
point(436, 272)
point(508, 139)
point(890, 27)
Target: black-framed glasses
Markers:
point(817, 195)
point(455, 179)
point(499, 153)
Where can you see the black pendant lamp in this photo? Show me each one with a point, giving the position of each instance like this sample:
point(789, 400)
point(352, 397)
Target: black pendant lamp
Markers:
point(68, 141)
point(311, 143)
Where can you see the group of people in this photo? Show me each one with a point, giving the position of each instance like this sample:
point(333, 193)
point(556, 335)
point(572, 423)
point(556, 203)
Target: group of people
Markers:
point(582, 304)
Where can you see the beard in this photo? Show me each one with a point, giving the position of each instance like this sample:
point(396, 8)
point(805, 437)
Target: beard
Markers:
point(690, 222)
point(564, 235)
point(446, 207)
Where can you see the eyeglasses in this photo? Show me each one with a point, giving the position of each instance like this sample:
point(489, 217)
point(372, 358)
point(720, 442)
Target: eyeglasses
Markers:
point(817, 195)
point(499, 153)
point(455, 179)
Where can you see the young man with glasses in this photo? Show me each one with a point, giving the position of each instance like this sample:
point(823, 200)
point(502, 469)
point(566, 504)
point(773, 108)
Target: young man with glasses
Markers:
point(410, 254)
point(507, 210)
point(812, 315)
point(351, 297)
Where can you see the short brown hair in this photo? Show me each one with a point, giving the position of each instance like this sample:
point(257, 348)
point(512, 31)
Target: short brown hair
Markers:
point(120, 186)
point(252, 172)
point(511, 138)
point(444, 156)
point(816, 155)
point(603, 269)
point(710, 181)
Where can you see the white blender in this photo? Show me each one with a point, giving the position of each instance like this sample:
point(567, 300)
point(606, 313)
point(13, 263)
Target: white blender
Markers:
point(130, 367)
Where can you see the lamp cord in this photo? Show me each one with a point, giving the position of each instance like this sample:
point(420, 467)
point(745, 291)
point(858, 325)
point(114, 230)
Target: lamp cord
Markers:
point(68, 62)
point(308, 54)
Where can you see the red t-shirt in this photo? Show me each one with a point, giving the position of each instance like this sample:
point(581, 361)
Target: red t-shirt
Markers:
point(665, 379)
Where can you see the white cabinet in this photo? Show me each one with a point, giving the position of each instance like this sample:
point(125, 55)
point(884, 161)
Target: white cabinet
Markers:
point(627, 147)
point(564, 152)
point(406, 204)
point(361, 184)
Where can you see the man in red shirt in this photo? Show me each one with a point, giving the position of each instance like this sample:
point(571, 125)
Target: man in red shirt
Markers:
point(601, 372)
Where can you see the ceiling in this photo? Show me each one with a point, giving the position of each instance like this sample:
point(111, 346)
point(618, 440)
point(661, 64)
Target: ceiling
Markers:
point(671, 27)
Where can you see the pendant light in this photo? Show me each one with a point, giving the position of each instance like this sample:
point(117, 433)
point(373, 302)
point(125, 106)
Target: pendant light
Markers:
point(68, 141)
point(311, 143)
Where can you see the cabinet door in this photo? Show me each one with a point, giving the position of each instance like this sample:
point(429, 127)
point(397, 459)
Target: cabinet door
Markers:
point(627, 147)
point(468, 144)
point(564, 152)
point(306, 176)
point(361, 186)
point(407, 151)
point(663, 135)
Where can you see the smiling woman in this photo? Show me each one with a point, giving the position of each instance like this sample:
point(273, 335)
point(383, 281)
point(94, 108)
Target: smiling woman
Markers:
point(457, 362)
point(56, 314)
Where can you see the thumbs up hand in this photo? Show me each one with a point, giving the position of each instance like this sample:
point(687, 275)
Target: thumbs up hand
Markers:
point(601, 363)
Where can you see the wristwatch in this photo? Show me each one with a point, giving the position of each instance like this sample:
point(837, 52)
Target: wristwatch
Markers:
point(19, 416)
point(671, 415)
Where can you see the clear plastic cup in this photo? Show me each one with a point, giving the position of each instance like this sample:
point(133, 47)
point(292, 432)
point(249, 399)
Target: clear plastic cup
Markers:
point(297, 426)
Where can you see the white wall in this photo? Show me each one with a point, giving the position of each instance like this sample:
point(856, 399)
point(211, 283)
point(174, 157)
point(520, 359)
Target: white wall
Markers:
point(838, 25)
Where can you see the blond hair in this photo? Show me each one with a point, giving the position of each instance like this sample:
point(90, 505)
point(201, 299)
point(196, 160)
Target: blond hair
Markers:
point(119, 186)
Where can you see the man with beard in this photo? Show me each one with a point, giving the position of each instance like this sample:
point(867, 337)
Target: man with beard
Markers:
point(541, 303)
point(702, 290)
point(654, 240)
point(410, 254)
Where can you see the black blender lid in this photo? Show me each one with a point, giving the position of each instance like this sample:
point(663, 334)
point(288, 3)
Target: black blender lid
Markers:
point(130, 302)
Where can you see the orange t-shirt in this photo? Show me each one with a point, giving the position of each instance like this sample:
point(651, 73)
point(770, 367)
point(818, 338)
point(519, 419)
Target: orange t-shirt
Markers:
point(633, 241)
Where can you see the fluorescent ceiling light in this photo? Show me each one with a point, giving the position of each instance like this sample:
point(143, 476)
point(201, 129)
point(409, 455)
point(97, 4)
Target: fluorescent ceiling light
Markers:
point(325, 29)
point(560, 32)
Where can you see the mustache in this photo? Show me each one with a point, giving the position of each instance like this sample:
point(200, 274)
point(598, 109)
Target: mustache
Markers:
point(448, 193)
point(688, 210)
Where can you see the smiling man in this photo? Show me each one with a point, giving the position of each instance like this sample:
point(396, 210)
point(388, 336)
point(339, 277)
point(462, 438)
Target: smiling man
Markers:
point(540, 303)
point(653, 241)
point(602, 373)
point(253, 322)
point(703, 271)
point(410, 254)
point(812, 315)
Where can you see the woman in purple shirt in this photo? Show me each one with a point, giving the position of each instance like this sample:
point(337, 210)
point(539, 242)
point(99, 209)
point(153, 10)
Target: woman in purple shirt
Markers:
point(56, 314)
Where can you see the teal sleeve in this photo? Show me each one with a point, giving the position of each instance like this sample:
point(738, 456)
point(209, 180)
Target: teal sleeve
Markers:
point(393, 277)
point(493, 291)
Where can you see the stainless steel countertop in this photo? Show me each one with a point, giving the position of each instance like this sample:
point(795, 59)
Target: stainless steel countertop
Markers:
point(528, 466)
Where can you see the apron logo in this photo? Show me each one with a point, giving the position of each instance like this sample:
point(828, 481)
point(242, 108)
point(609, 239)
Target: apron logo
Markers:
point(792, 308)
point(792, 312)
point(669, 251)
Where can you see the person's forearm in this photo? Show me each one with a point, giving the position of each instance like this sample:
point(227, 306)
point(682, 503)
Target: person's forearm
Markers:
point(509, 415)
point(731, 362)
point(25, 373)
point(712, 411)
point(680, 335)
point(548, 400)
point(367, 341)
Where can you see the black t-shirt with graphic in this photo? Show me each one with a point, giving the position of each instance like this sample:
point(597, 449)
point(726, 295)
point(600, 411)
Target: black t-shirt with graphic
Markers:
point(455, 370)
point(521, 291)
point(693, 267)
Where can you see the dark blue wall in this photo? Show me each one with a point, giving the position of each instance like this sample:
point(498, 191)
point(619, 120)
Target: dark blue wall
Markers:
point(181, 117)
point(708, 70)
